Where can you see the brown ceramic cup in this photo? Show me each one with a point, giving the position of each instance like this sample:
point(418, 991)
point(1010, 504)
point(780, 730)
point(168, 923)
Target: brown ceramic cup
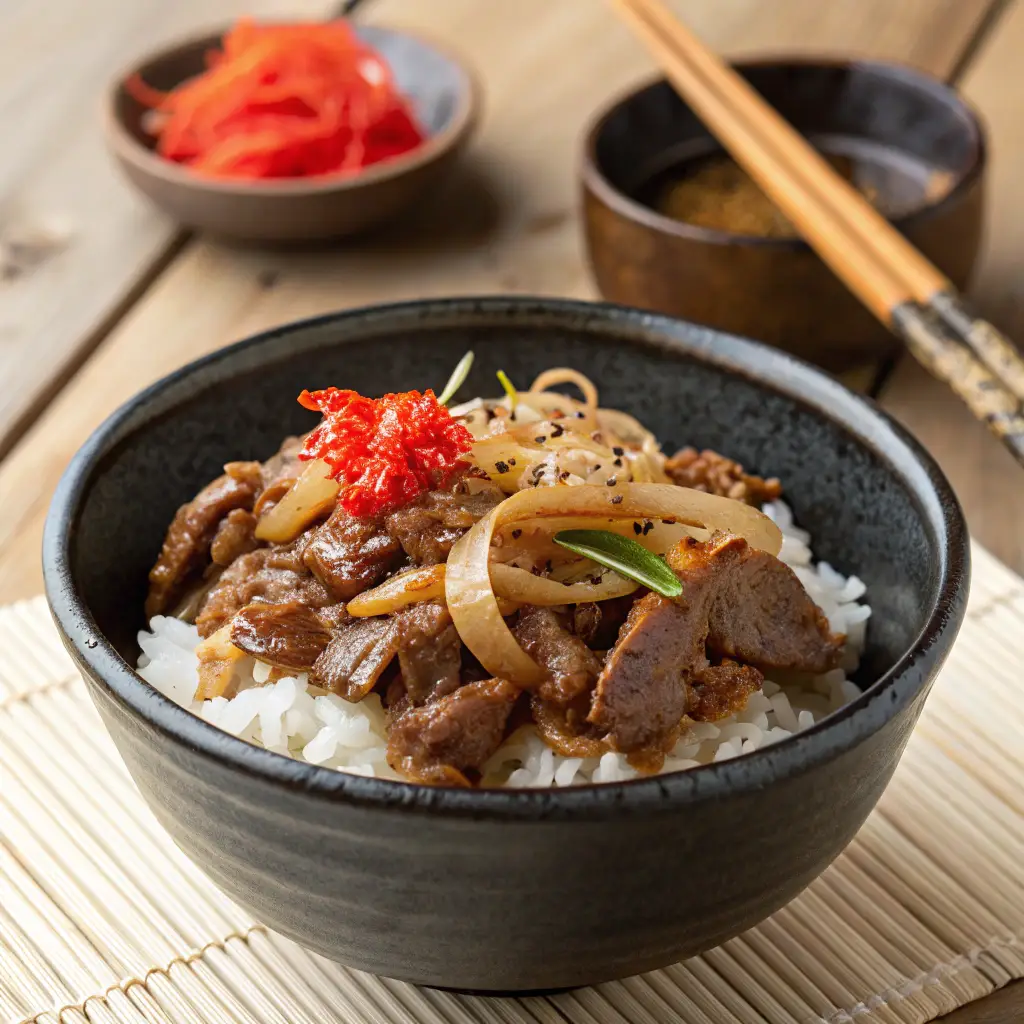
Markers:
point(776, 289)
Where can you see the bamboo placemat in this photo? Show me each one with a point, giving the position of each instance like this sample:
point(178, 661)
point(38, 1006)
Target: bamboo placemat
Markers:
point(103, 920)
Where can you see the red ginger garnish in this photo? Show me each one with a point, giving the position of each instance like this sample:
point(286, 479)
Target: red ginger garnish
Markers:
point(385, 452)
point(283, 101)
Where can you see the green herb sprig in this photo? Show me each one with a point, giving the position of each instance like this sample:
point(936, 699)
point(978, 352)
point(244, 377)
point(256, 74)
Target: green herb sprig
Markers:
point(624, 556)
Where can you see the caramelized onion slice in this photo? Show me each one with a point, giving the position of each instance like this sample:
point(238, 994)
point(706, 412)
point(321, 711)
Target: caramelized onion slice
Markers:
point(503, 459)
point(566, 375)
point(533, 537)
point(522, 587)
point(513, 587)
point(404, 589)
point(218, 659)
point(311, 496)
point(470, 593)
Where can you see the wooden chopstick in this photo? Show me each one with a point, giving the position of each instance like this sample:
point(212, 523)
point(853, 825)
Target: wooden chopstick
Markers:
point(806, 164)
point(811, 174)
point(891, 277)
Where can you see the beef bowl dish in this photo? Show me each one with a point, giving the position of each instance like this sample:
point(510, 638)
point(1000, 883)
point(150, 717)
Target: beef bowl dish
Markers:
point(569, 667)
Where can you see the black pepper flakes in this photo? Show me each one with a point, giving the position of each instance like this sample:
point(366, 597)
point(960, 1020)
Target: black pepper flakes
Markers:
point(501, 467)
point(511, 461)
point(617, 462)
point(648, 526)
point(564, 475)
point(669, 522)
point(557, 430)
point(540, 440)
point(516, 534)
point(637, 529)
point(547, 565)
point(617, 500)
point(618, 451)
point(611, 481)
point(581, 415)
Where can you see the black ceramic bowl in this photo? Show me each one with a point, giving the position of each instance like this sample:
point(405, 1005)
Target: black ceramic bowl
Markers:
point(514, 890)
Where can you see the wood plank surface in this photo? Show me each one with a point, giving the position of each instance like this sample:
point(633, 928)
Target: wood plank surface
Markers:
point(988, 481)
point(507, 222)
point(75, 243)
point(1003, 1007)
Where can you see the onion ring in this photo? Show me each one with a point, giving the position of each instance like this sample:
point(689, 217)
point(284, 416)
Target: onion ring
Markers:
point(567, 375)
point(470, 594)
point(403, 589)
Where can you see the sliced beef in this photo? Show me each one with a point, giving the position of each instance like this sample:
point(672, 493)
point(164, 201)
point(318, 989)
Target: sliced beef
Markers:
point(429, 651)
point(291, 635)
point(760, 613)
point(565, 729)
point(285, 465)
point(598, 625)
point(235, 536)
point(275, 575)
point(737, 604)
point(722, 690)
point(641, 692)
point(349, 555)
point(714, 473)
point(570, 666)
point(270, 496)
point(460, 731)
point(217, 661)
point(586, 621)
point(429, 527)
point(278, 474)
point(359, 652)
point(186, 548)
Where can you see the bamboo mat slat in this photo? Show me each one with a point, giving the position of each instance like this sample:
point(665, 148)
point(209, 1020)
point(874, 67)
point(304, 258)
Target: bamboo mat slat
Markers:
point(103, 921)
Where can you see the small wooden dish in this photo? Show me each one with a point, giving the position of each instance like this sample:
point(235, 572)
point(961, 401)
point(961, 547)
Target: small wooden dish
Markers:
point(776, 289)
point(444, 94)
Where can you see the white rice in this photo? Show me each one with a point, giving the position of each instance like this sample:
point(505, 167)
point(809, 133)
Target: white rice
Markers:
point(293, 718)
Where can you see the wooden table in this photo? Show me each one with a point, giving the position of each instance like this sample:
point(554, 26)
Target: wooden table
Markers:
point(99, 295)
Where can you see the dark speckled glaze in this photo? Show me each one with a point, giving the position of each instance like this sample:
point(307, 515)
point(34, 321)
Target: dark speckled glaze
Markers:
point(506, 890)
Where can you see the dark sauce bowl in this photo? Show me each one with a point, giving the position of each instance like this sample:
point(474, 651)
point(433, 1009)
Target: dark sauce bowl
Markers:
point(776, 289)
point(502, 890)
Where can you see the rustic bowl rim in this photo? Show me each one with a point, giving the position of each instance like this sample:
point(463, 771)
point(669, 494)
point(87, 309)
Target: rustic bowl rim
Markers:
point(129, 150)
point(766, 367)
point(897, 73)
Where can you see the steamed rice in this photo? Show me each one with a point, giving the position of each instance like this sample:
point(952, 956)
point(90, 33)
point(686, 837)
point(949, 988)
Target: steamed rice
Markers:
point(292, 718)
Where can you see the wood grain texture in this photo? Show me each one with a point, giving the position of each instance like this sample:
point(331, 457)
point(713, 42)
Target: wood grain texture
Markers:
point(506, 222)
point(1003, 1007)
point(988, 481)
point(75, 243)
